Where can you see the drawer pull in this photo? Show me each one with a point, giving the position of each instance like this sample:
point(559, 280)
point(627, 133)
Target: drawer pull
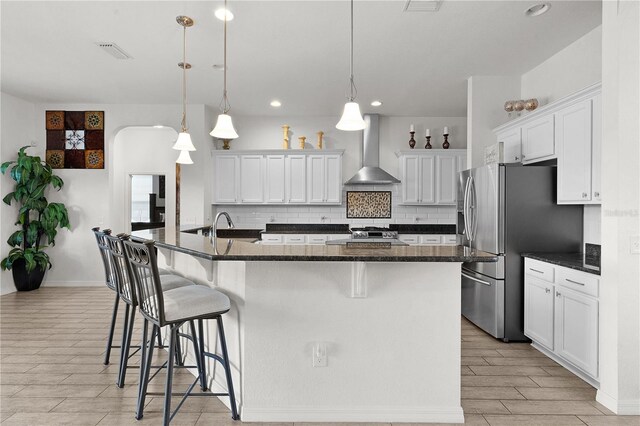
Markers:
point(476, 279)
point(573, 282)
point(535, 270)
point(546, 290)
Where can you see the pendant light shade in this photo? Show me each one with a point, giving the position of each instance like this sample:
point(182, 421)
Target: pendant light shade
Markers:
point(224, 128)
point(184, 142)
point(351, 118)
point(184, 158)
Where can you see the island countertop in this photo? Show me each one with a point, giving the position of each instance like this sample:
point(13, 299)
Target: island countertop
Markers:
point(247, 250)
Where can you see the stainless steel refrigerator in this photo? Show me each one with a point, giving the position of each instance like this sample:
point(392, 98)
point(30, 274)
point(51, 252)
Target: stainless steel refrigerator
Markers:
point(509, 209)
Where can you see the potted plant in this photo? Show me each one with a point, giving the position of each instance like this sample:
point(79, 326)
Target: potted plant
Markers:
point(37, 218)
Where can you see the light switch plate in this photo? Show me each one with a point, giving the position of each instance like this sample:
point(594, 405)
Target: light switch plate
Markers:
point(635, 244)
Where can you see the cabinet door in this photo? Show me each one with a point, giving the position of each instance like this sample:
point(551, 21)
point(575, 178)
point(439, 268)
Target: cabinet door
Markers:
point(596, 148)
point(462, 162)
point(573, 135)
point(512, 144)
point(538, 311)
point(410, 167)
point(296, 176)
point(251, 179)
point(446, 179)
point(428, 181)
point(577, 329)
point(274, 182)
point(333, 179)
point(316, 176)
point(538, 141)
point(226, 179)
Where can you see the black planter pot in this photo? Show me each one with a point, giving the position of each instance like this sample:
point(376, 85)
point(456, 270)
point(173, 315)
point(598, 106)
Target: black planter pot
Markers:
point(23, 280)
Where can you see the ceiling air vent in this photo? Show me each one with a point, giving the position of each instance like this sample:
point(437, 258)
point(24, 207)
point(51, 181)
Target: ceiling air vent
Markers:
point(422, 5)
point(114, 50)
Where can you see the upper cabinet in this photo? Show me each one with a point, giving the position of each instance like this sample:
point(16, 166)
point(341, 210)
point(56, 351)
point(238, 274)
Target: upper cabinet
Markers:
point(568, 130)
point(429, 177)
point(277, 177)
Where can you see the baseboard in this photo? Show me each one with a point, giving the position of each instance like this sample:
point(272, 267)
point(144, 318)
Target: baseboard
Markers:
point(621, 408)
point(355, 414)
point(49, 283)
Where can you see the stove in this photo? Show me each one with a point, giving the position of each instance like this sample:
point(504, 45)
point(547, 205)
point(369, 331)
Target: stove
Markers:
point(373, 232)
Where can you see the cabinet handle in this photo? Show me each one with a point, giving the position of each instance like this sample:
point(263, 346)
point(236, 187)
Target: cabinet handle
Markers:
point(573, 282)
point(584, 195)
point(517, 158)
point(597, 194)
point(546, 290)
point(558, 294)
point(535, 270)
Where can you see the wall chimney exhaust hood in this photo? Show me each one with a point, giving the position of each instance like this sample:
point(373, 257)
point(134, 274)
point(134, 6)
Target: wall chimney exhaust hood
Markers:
point(371, 173)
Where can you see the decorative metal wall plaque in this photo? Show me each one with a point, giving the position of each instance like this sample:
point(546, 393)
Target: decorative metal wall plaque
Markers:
point(75, 139)
point(369, 204)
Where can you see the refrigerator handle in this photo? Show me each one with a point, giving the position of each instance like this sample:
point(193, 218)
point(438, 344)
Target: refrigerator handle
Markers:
point(474, 218)
point(465, 209)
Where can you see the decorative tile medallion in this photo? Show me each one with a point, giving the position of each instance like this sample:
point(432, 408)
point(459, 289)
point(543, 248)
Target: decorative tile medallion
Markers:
point(94, 159)
point(55, 158)
point(369, 204)
point(75, 139)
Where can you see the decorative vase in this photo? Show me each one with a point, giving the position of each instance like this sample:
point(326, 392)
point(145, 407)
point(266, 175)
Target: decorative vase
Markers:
point(412, 141)
point(302, 140)
point(320, 135)
point(445, 144)
point(428, 145)
point(23, 280)
point(285, 134)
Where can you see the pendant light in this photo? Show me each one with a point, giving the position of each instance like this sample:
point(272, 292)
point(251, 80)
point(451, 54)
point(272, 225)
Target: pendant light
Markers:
point(351, 117)
point(183, 143)
point(224, 126)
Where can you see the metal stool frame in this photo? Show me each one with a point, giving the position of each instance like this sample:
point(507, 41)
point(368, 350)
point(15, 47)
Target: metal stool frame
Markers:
point(144, 269)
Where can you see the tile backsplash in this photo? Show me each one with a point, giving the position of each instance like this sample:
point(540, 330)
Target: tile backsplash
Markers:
point(257, 216)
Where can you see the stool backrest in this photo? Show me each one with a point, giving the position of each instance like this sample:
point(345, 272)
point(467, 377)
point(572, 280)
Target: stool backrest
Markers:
point(126, 287)
point(110, 279)
point(144, 272)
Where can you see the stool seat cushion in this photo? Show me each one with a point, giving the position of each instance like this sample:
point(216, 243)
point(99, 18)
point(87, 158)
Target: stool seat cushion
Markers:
point(194, 301)
point(169, 282)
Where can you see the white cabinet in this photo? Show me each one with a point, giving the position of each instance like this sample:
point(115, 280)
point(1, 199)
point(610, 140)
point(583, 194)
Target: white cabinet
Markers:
point(325, 179)
point(428, 239)
point(278, 177)
point(251, 179)
point(573, 137)
point(226, 179)
point(512, 145)
point(561, 315)
point(275, 179)
point(538, 139)
point(429, 177)
point(538, 311)
point(296, 177)
point(596, 148)
point(577, 329)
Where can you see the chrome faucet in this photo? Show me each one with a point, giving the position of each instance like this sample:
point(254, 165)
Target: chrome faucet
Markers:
point(214, 227)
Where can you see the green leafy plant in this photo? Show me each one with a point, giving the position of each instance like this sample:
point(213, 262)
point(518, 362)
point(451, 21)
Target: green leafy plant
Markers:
point(37, 217)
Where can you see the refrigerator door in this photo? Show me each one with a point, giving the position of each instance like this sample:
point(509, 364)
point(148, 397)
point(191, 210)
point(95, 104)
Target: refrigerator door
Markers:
point(485, 208)
point(483, 302)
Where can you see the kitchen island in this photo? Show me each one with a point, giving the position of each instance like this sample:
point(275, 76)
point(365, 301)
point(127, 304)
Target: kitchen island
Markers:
point(386, 319)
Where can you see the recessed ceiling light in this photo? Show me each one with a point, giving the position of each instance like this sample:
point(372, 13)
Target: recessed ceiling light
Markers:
point(276, 103)
point(224, 14)
point(158, 126)
point(538, 9)
point(376, 103)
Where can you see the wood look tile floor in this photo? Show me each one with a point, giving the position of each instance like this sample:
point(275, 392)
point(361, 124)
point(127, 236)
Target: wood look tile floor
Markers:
point(51, 373)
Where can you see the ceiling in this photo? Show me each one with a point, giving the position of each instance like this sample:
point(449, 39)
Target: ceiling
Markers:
point(295, 51)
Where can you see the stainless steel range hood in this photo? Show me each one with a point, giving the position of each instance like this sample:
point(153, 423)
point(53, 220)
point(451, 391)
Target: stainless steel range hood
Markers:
point(371, 173)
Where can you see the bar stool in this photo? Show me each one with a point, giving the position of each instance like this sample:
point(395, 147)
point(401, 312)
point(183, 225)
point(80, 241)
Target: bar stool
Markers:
point(121, 275)
point(174, 308)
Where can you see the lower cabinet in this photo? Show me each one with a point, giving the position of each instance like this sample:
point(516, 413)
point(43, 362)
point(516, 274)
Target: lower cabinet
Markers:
point(561, 314)
point(428, 239)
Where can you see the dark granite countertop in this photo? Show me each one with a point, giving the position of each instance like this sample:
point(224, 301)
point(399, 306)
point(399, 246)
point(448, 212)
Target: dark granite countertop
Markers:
point(577, 261)
point(246, 250)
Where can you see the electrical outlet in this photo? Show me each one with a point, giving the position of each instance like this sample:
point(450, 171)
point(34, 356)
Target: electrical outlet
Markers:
point(635, 244)
point(319, 356)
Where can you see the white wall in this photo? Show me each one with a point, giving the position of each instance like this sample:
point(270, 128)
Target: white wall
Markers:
point(620, 292)
point(16, 124)
point(486, 96)
point(573, 68)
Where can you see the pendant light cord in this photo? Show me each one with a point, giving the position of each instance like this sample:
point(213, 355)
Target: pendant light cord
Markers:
point(184, 127)
point(225, 106)
point(352, 85)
